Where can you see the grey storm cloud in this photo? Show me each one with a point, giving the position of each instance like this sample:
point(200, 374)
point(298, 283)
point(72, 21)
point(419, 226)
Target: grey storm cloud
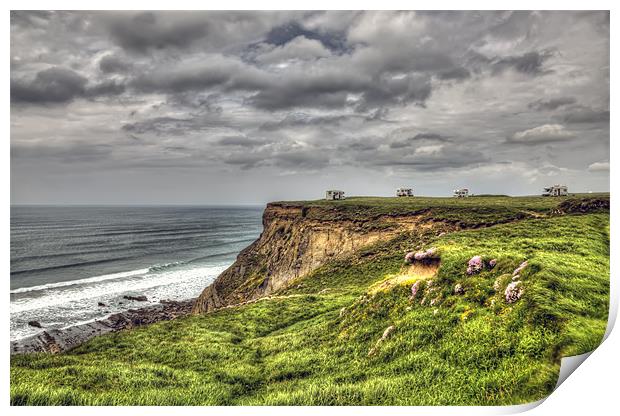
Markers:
point(551, 104)
point(242, 98)
point(415, 140)
point(143, 31)
point(431, 136)
point(58, 85)
point(49, 85)
point(586, 115)
point(290, 159)
point(162, 126)
point(240, 141)
point(431, 158)
point(159, 126)
point(457, 73)
point(528, 63)
point(114, 64)
point(297, 119)
point(397, 91)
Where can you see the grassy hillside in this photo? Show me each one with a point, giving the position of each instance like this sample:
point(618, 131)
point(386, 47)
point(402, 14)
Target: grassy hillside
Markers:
point(318, 343)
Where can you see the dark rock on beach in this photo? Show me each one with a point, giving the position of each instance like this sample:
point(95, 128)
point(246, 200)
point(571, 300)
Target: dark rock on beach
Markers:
point(60, 340)
point(140, 298)
point(36, 324)
point(101, 304)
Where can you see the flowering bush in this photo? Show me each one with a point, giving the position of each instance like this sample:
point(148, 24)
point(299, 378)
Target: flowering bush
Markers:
point(513, 292)
point(474, 265)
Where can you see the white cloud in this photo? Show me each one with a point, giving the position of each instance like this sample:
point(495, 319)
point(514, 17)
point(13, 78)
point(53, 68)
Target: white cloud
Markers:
point(599, 167)
point(300, 48)
point(543, 134)
point(429, 150)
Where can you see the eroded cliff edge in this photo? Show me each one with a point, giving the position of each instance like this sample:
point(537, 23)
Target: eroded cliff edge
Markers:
point(296, 240)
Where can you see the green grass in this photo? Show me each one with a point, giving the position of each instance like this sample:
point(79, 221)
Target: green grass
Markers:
point(472, 211)
point(296, 349)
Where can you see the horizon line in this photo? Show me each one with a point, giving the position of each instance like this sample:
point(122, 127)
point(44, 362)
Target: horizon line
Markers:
point(252, 204)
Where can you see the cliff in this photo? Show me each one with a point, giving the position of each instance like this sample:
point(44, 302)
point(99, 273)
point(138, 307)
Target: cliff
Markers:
point(296, 240)
point(299, 237)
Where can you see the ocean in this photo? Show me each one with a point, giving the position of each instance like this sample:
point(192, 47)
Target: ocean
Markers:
point(65, 260)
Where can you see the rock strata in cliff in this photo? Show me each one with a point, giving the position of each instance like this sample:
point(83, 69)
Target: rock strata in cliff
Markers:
point(295, 241)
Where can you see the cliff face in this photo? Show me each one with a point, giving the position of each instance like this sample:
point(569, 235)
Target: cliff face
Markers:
point(295, 241)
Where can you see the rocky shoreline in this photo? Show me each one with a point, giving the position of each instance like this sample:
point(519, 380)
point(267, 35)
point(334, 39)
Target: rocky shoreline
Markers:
point(59, 340)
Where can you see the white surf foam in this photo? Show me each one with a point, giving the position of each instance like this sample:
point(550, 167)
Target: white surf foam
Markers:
point(87, 280)
point(179, 280)
point(68, 305)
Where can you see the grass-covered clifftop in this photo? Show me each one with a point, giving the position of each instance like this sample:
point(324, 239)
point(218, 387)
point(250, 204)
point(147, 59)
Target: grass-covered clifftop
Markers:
point(472, 211)
point(320, 340)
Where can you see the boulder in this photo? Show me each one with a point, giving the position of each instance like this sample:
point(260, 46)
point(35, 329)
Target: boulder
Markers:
point(474, 265)
point(414, 289)
point(387, 332)
point(458, 289)
point(430, 254)
point(513, 292)
point(35, 324)
point(409, 257)
point(519, 269)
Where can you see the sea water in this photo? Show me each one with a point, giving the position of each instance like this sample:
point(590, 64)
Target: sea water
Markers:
point(66, 260)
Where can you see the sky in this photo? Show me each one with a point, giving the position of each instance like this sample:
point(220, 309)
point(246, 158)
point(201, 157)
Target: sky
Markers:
point(205, 107)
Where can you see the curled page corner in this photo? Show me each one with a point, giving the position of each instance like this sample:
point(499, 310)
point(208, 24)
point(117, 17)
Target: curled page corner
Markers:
point(519, 408)
point(567, 366)
point(570, 364)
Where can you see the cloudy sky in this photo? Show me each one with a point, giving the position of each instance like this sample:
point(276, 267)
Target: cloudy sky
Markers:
point(247, 107)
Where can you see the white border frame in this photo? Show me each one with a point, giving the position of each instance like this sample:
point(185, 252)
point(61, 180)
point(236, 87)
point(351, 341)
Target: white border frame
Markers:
point(591, 389)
